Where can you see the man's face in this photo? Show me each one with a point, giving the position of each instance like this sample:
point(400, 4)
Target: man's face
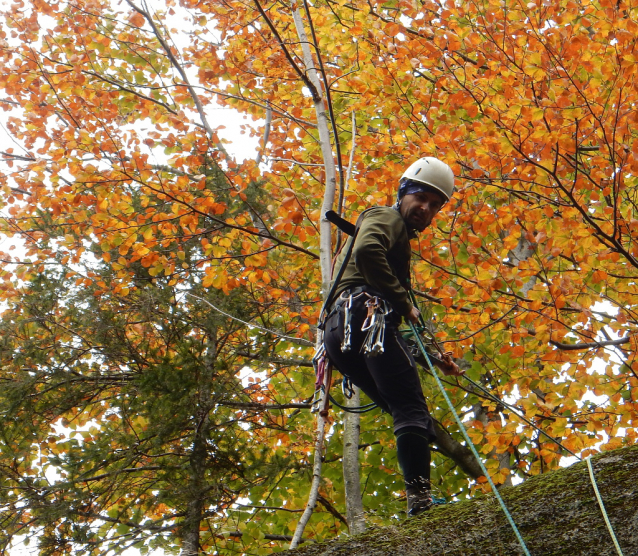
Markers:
point(420, 208)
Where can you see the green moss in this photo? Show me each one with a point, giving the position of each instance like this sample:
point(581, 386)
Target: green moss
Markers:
point(556, 513)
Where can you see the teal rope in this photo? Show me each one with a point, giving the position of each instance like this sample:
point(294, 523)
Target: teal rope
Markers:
point(602, 506)
point(522, 417)
point(416, 333)
point(469, 442)
point(513, 410)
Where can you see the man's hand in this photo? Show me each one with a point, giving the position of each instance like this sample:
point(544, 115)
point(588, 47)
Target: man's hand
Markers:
point(449, 367)
point(413, 315)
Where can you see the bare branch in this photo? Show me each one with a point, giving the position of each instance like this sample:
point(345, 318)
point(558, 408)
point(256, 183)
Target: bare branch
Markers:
point(266, 406)
point(182, 72)
point(300, 341)
point(593, 345)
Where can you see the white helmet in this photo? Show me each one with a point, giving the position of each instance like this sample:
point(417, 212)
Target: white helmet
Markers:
point(429, 171)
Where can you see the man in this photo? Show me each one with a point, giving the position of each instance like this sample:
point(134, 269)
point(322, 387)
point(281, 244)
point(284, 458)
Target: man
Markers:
point(361, 331)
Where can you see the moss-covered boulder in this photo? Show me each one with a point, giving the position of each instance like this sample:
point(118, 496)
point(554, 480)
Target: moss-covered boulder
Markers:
point(556, 513)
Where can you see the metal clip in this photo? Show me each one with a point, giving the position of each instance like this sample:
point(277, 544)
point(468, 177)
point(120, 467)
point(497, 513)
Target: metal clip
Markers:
point(347, 327)
point(319, 362)
point(347, 387)
point(375, 325)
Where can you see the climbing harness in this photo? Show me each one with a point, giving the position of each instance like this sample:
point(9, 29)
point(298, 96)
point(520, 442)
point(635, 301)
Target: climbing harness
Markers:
point(347, 388)
point(360, 409)
point(602, 506)
point(374, 324)
point(348, 391)
point(323, 381)
point(469, 442)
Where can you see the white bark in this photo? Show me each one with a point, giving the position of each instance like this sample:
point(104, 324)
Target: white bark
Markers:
point(523, 251)
point(354, 144)
point(351, 427)
point(316, 479)
point(354, 504)
point(324, 248)
point(326, 152)
point(267, 125)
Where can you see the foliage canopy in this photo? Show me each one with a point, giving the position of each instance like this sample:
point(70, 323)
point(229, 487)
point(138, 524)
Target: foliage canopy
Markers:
point(148, 248)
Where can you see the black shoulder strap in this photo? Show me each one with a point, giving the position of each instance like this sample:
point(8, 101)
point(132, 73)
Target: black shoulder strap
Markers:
point(351, 230)
point(341, 223)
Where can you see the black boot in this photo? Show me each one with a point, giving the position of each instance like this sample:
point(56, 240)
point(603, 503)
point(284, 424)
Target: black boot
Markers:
point(413, 451)
point(419, 497)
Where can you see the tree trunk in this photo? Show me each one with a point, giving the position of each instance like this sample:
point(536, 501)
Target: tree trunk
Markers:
point(197, 483)
point(354, 505)
point(324, 246)
point(461, 455)
point(316, 479)
point(557, 513)
point(325, 252)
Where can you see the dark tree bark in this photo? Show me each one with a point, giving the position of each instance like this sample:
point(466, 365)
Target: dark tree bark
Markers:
point(199, 455)
point(460, 454)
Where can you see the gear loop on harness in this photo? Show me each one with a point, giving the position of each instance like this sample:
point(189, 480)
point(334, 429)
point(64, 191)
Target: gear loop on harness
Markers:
point(321, 363)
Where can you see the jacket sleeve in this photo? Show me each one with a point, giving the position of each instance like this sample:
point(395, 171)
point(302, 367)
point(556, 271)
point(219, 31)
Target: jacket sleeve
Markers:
point(377, 235)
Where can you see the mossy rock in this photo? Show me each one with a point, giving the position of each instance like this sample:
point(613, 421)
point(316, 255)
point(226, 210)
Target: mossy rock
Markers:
point(556, 513)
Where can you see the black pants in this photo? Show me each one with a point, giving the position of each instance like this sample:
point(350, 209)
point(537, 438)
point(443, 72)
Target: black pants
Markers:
point(389, 379)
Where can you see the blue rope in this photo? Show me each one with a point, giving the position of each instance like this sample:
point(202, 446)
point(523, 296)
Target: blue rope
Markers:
point(469, 442)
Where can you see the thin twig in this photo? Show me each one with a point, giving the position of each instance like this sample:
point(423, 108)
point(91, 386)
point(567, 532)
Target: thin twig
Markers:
point(300, 341)
point(175, 63)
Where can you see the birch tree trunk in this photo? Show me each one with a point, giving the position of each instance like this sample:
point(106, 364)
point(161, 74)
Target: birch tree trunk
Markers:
point(326, 151)
point(354, 504)
point(324, 249)
point(351, 426)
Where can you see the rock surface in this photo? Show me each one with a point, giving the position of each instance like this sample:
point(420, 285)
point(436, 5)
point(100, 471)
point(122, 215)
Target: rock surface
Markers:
point(556, 513)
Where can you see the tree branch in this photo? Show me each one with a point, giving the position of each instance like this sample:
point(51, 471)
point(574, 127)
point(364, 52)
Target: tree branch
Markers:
point(265, 406)
point(316, 97)
point(326, 504)
point(175, 63)
point(593, 345)
point(274, 332)
point(277, 360)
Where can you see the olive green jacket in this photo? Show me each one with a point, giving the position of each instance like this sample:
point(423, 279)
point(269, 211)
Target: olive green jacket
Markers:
point(380, 258)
